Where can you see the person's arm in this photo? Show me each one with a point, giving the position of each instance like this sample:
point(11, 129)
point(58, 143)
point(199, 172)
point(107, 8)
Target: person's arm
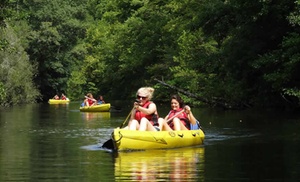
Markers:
point(190, 115)
point(150, 110)
point(135, 105)
point(132, 114)
point(94, 100)
point(167, 116)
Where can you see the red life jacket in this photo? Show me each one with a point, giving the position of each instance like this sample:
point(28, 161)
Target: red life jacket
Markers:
point(139, 115)
point(182, 116)
point(90, 101)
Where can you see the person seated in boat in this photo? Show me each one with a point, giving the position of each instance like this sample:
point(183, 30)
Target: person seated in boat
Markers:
point(63, 97)
point(179, 118)
point(144, 115)
point(56, 97)
point(89, 100)
point(101, 100)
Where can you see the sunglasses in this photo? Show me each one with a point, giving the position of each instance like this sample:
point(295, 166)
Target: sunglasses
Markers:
point(139, 97)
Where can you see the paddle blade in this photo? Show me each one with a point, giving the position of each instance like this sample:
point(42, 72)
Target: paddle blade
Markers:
point(108, 144)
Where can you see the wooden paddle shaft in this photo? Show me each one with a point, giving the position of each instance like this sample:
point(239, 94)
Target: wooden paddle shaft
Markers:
point(170, 119)
point(90, 98)
point(126, 118)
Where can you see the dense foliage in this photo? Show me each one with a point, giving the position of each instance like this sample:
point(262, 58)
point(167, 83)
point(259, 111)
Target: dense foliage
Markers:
point(236, 53)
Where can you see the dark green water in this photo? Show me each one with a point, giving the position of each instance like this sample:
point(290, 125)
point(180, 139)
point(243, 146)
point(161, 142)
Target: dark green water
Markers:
point(58, 143)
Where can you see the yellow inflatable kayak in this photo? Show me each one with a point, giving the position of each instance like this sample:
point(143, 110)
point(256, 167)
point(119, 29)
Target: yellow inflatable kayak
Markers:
point(96, 108)
point(123, 139)
point(54, 101)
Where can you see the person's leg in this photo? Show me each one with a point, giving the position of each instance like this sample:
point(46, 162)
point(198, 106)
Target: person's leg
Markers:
point(145, 125)
point(176, 123)
point(150, 127)
point(87, 102)
point(179, 125)
point(161, 122)
point(182, 126)
point(163, 125)
point(134, 125)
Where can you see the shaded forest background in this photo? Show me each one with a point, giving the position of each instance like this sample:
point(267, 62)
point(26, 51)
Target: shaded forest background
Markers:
point(233, 53)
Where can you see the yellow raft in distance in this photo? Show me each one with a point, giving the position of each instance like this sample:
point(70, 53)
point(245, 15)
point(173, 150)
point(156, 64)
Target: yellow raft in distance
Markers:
point(96, 108)
point(54, 101)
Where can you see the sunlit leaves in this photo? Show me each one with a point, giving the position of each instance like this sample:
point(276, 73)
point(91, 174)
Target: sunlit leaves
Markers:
point(16, 72)
point(295, 92)
point(58, 28)
point(76, 83)
point(233, 50)
point(47, 35)
point(193, 64)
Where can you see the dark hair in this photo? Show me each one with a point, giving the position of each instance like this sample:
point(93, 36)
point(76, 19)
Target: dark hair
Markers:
point(178, 98)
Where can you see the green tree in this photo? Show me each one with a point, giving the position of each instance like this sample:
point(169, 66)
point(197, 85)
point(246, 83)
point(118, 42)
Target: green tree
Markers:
point(244, 31)
point(58, 30)
point(16, 71)
point(221, 50)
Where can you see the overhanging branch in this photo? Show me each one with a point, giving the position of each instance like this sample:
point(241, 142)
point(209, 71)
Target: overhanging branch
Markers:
point(213, 102)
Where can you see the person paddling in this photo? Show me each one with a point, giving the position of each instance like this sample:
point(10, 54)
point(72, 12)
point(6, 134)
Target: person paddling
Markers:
point(144, 115)
point(56, 97)
point(101, 100)
point(63, 97)
point(89, 100)
point(179, 118)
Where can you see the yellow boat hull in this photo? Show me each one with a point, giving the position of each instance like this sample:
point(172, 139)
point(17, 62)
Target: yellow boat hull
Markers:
point(96, 108)
point(53, 101)
point(143, 140)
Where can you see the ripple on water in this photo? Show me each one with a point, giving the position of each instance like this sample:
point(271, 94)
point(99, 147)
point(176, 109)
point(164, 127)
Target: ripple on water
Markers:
point(214, 136)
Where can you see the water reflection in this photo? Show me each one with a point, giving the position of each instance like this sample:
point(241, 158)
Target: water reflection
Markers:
point(91, 116)
point(59, 106)
point(185, 164)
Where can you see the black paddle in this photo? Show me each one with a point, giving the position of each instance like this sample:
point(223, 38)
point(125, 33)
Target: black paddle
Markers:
point(109, 143)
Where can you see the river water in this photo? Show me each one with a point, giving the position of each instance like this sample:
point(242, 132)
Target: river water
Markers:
point(42, 142)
